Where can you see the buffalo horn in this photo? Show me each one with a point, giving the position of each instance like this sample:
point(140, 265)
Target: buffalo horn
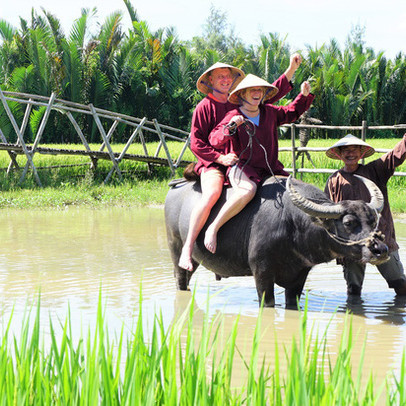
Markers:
point(377, 201)
point(313, 209)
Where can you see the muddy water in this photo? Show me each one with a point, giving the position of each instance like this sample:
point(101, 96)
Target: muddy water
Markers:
point(69, 256)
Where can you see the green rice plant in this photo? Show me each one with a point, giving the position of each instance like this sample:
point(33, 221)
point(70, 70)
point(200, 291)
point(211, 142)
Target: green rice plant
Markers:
point(177, 365)
point(397, 387)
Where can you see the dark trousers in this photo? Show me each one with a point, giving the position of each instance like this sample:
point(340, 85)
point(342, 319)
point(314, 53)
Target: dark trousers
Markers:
point(391, 270)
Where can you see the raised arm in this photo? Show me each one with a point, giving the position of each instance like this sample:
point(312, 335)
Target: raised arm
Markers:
point(291, 112)
point(283, 83)
point(295, 61)
point(396, 156)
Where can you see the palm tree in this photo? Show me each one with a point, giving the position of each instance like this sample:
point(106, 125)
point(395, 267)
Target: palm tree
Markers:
point(273, 56)
point(338, 82)
point(153, 74)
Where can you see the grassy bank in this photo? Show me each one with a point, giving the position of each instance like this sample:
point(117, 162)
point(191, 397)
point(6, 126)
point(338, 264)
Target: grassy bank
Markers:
point(78, 185)
point(176, 366)
point(136, 193)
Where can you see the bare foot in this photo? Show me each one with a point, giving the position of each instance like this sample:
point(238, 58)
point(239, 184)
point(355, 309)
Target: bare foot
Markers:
point(210, 240)
point(185, 260)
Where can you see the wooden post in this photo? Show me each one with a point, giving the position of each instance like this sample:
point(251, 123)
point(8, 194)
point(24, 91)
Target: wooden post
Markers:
point(40, 131)
point(144, 147)
point(163, 143)
point(22, 131)
point(106, 141)
point(43, 122)
point(20, 137)
point(293, 137)
point(142, 139)
point(187, 142)
point(158, 150)
point(83, 139)
point(110, 133)
point(11, 154)
point(130, 140)
point(364, 135)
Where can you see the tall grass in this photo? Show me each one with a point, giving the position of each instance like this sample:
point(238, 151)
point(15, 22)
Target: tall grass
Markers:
point(177, 366)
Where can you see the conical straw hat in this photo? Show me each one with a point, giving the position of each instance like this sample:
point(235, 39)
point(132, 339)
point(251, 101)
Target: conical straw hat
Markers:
point(252, 81)
point(203, 81)
point(334, 153)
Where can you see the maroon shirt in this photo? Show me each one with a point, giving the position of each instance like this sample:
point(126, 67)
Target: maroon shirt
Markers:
point(343, 185)
point(254, 158)
point(208, 113)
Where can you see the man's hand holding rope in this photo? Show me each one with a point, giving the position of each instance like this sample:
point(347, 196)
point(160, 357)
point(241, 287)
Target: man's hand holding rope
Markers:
point(227, 160)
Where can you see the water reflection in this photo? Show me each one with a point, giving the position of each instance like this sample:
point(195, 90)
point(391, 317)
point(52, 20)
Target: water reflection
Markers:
point(70, 255)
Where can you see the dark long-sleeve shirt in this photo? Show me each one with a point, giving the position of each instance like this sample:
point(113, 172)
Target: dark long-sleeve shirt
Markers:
point(343, 185)
point(263, 149)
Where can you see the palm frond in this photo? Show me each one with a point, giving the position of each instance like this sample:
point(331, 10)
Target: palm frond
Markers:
point(131, 11)
point(22, 79)
point(55, 26)
point(7, 31)
point(36, 118)
point(110, 33)
point(79, 28)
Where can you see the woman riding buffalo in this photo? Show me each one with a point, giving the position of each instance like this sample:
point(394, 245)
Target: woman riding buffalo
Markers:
point(255, 143)
point(216, 82)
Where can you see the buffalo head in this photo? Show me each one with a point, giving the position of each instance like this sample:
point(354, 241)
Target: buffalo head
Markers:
point(352, 226)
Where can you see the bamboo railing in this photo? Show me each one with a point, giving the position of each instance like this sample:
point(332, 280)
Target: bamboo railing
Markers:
point(364, 128)
point(162, 132)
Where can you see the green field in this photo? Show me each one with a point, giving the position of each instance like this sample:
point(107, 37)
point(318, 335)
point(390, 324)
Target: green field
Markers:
point(78, 185)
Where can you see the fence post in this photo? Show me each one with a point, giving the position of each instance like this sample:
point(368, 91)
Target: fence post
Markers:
point(20, 137)
point(163, 143)
point(124, 151)
point(364, 135)
point(11, 154)
point(40, 131)
point(187, 143)
point(22, 131)
point(82, 138)
point(106, 141)
point(293, 136)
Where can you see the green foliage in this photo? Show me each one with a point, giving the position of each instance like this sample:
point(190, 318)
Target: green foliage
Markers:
point(153, 74)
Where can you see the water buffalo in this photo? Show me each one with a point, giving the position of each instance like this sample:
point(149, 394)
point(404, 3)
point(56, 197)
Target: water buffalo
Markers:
point(288, 227)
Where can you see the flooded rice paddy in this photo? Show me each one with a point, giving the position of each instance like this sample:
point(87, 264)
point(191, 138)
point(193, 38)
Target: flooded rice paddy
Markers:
point(70, 256)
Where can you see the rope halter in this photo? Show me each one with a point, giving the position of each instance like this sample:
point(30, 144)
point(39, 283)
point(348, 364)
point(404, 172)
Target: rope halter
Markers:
point(367, 241)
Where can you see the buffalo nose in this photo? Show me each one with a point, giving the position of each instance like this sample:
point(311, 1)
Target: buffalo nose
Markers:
point(379, 249)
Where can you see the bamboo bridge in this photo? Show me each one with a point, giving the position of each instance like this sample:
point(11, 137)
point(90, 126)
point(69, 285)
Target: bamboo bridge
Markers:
point(161, 156)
